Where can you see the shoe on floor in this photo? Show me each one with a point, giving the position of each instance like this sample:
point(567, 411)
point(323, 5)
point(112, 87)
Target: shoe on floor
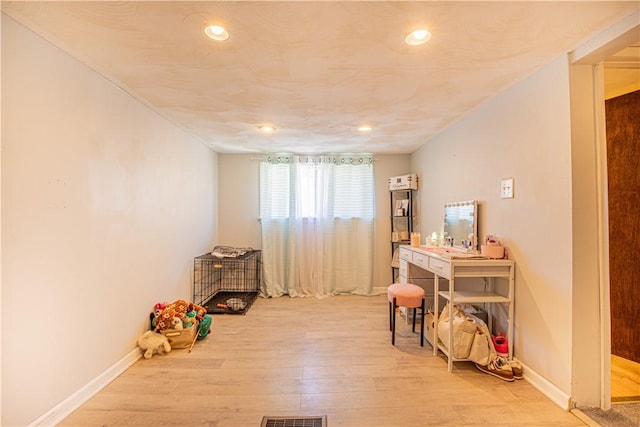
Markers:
point(503, 372)
point(516, 367)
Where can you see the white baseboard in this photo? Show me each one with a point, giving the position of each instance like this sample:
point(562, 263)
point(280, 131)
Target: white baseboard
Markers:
point(59, 412)
point(556, 395)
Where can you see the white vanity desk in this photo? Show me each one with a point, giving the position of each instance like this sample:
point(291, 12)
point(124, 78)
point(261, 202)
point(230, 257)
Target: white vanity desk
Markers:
point(432, 261)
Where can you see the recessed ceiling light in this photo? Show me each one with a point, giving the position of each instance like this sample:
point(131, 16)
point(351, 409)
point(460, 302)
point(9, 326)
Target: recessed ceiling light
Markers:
point(216, 32)
point(417, 37)
point(266, 129)
point(364, 128)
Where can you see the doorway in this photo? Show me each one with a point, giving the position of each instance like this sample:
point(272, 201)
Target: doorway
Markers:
point(591, 363)
point(622, 118)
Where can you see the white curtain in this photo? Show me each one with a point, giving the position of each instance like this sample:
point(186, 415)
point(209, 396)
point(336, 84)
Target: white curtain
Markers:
point(317, 225)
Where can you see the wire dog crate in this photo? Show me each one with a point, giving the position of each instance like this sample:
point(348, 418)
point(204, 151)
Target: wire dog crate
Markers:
point(218, 280)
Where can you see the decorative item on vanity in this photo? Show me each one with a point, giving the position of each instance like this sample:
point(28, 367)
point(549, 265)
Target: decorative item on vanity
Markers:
point(435, 239)
point(492, 248)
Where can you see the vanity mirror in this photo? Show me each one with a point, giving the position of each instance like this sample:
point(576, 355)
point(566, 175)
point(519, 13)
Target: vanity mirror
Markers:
point(461, 224)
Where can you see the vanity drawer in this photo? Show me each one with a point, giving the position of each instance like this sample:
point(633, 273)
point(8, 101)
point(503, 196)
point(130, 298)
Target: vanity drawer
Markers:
point(403, 271)
point(405, 254)
point(421, 260)
point(440, 267)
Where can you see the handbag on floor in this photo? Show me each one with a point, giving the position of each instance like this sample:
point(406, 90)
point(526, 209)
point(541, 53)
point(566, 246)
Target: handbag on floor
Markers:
point(464, 329)
point(479, 352)
point(482, 350)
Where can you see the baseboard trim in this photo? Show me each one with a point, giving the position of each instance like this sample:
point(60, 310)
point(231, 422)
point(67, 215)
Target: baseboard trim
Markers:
point(59, 412)
point(556, 395)
point(551, 391)
point(379, 290)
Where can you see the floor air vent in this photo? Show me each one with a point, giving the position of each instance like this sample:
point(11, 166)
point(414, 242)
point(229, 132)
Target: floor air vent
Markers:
point(294, 421)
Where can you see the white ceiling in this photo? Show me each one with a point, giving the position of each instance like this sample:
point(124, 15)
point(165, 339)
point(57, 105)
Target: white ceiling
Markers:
point(316, 70)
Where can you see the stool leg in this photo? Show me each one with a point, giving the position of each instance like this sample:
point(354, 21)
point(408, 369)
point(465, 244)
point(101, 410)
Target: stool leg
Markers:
point(393, 323)
point(413, 327)
point(390, 314)
point(422, 324)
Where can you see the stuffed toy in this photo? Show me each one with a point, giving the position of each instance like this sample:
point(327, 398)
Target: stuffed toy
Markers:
point(176, 323)
point(157, 309)
point(189, 319)
point(178, 308)
point(153, 343)
point(205, 326)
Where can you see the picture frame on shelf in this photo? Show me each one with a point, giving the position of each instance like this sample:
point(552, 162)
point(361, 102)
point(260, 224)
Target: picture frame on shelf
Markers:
point(402, 207)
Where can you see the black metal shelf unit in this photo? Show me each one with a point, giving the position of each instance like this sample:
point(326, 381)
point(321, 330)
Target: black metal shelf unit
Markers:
point(402, 216)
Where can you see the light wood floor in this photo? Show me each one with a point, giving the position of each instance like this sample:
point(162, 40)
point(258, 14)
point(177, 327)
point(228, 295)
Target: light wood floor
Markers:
point(294, 356)
point(625, 380)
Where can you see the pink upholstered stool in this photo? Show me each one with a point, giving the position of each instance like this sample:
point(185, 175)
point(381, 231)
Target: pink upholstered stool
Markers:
point(409, 296)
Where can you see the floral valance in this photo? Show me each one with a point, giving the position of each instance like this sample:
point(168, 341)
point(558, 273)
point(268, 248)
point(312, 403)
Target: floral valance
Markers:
point(353, 159)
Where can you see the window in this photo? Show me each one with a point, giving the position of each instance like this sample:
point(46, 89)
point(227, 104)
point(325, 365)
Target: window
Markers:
point(317, 225)
point(317, 187)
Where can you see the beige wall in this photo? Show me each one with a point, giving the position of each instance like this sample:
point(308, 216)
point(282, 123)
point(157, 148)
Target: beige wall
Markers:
point(239, 201)
point(239, 205)
point(523, 133)
point(104, 206)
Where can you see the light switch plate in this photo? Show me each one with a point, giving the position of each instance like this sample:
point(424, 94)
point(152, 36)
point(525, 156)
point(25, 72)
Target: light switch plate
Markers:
point(506, 188)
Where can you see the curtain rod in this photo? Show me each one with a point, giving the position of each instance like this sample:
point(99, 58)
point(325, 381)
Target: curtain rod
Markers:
point(373, 159)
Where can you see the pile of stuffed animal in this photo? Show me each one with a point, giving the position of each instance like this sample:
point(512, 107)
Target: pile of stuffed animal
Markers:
point(177, 315)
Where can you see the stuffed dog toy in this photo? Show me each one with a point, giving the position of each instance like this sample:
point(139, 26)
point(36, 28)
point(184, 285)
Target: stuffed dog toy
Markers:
point(153, 343)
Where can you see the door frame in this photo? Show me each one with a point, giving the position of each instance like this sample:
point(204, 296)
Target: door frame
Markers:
point(588, 125)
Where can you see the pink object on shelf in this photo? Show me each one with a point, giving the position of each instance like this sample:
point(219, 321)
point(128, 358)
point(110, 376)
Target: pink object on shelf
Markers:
point(492, 251)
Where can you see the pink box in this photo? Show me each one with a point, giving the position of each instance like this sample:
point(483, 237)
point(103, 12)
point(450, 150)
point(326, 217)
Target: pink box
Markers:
point(492, 251)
